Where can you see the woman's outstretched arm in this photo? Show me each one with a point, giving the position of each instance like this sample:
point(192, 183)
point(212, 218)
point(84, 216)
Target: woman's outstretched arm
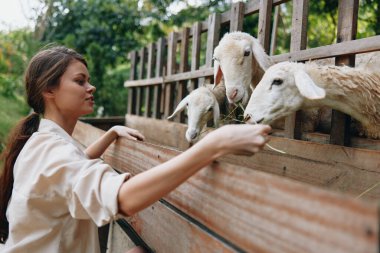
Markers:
point(96, 149)
point(149, 186)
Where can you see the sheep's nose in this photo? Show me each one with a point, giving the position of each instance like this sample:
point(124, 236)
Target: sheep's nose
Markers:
point(234, 94)
point(193, 135)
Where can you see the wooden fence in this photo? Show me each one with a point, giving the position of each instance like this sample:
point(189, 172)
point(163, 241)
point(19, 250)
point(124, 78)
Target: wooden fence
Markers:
point(317, 197)
point(158, 81)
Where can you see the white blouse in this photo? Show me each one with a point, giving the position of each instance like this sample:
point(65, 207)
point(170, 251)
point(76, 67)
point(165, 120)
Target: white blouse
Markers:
point(59, 195)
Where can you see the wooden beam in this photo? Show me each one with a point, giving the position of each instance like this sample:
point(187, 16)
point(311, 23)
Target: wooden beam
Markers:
point(347, 27)
point(265, 14)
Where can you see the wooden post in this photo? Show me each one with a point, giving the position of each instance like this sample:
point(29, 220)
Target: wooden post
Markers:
point(347, 27)
point(237, 17)
point(265, 13)
point(171, 69)
point(297, 43)
point(131, 107)
point(149, 89)
point(183, 67)
point(195, 52)
point(157, 92)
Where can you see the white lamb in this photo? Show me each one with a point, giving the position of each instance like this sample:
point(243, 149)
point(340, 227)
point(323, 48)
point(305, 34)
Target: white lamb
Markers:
point(203, 104)
point(287, 87)
point(241, 60)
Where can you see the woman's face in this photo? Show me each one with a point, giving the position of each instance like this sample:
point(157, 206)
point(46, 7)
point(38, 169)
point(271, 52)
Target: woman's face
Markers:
point(74, 95)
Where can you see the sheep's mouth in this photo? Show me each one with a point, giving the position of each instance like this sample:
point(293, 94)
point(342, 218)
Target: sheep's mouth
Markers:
point(260, 120)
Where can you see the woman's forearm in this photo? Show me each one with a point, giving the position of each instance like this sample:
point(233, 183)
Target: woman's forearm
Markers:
point(96, 149)
point(146, 188)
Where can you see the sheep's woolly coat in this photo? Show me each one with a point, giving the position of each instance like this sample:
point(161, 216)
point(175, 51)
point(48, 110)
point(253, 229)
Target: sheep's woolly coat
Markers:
point(355, 91)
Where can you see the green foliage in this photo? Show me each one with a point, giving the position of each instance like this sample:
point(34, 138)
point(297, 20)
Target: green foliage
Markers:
point(12, 110)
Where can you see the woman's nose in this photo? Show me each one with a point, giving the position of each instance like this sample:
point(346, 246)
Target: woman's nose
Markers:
point(91, 88)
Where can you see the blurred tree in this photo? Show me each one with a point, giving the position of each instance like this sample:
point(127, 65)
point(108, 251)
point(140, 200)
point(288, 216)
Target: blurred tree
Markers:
point(106, 30)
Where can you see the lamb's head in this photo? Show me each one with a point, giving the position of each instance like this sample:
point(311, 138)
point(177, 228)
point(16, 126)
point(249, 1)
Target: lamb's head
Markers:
point(202, 106)
point(283, 90)
point(238, 58)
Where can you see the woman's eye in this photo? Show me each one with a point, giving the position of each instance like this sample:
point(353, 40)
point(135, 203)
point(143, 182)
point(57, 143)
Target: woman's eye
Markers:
point(81, 82)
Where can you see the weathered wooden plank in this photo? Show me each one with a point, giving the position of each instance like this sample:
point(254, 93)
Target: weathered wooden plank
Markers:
point(173, 78)
point(269, 213)
point(131, 106)
point(171, 69)
point(263, 34)
point(338, 168)
point(212, 37)
point(297, 42)
point(348, 47)
point(237, 16)
point(347, 26)
point(150, 74)
point(166, 231)
point(183, 67)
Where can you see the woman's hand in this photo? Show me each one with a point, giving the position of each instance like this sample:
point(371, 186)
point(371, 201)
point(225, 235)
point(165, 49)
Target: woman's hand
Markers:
point(129, 133)
point(240, 139)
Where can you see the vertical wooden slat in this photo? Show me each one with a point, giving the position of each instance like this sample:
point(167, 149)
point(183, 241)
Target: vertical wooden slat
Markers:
point(273, 41)
point(237, 17)
point(157, 92)
point(140, 92)
point(148, 90)
point(171, 69)
point(132, 91)
point(298, 42)
point(265, 13)
point(347, 27)
point(212, 36)
point(183, 67)
point(195, 52)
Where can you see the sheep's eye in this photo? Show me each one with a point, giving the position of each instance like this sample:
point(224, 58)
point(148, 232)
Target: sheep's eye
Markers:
point(247, 52)
point(215, 59)
point(210, 109)
point(277, 82)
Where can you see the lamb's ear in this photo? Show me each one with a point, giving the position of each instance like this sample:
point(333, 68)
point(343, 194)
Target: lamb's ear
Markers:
point(259, 55)
point(180, 106)
point(307, 87)
point(216, 113)
point(218, 74)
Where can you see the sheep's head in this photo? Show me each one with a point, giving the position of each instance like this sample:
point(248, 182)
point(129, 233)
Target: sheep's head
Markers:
point(201, 106)
point(238, 58)
point(282, 90)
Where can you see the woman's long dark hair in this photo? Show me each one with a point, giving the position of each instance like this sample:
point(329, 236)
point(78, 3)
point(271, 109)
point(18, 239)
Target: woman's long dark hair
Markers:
point(44, 72)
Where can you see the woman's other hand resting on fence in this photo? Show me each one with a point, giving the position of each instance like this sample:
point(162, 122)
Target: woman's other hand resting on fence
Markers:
point(149, 186)
point(96, 149)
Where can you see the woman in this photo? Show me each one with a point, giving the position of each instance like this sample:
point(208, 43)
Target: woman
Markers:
point(54, 194)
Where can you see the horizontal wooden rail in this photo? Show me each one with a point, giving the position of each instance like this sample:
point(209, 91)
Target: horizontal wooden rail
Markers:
point(253, 210)
point(350, 47)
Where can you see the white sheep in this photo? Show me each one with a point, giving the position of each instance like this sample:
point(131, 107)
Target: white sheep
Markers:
point(241, 60)
point(203, 104)
point(288, 86)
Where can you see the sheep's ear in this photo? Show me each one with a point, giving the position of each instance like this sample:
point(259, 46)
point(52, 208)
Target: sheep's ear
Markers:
point(259, 55)
point(180, 107)
point(307, 87)
point(216, 112)
point(218, 74)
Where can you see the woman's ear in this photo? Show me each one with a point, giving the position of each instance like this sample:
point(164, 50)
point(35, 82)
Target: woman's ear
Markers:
point(49, 93)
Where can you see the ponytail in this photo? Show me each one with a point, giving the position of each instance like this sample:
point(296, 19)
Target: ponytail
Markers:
point(16, 141)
